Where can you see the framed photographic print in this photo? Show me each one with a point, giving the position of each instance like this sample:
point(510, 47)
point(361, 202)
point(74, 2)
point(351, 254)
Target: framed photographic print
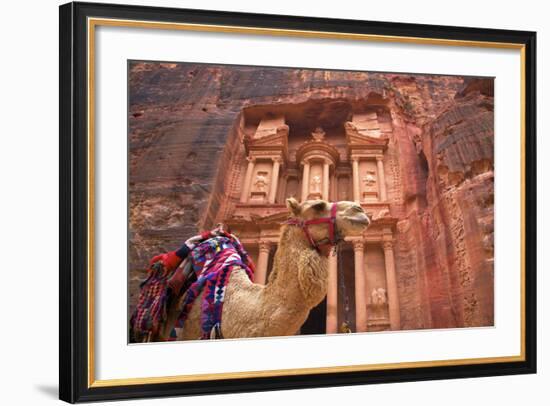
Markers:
point(256, 202)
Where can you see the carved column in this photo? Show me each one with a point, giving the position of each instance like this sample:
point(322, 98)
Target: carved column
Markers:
point(381, 178)
point(326, 180)
point(391, 280)
point(263, 259)
point(247, 180)
point(356, 192)
point(332, 295)
point(360, 287)
point(333, 194)
point(274, 180)
point(282, 189)
point(305, 181)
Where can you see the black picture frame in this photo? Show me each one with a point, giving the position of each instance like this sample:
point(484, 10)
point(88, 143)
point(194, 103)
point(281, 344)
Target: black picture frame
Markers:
point(74, 200)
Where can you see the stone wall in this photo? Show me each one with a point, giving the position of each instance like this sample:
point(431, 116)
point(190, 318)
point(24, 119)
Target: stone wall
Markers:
point(182, 121)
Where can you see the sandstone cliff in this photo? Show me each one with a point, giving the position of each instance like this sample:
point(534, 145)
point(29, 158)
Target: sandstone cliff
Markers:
point(440, 184)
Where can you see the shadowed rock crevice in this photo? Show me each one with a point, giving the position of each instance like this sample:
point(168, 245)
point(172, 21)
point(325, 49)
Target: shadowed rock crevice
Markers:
point(185, 139)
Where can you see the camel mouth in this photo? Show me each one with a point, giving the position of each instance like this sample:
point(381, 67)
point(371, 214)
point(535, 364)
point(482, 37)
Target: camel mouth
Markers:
point(361, 220)
point(358, 224)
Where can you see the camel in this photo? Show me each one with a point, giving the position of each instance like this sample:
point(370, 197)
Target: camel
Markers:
point(297, 283)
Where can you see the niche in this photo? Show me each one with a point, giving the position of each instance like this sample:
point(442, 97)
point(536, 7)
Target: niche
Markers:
point(368, 181)
point(259, 188)
point(291, 187)
point(377, 296)
point(344, 188)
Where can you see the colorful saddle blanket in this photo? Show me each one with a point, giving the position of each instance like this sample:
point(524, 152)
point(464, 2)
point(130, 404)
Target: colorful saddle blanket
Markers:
point(151, 310)
point(213, 261)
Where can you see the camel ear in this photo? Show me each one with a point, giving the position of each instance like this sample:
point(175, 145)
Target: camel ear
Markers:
point(318, 205)
point(293, 205)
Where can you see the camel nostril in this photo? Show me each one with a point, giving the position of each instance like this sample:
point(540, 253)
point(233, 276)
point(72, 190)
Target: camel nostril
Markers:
point(360, 218)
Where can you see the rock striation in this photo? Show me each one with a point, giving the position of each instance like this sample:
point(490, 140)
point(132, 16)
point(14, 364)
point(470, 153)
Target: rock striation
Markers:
point(439, 173)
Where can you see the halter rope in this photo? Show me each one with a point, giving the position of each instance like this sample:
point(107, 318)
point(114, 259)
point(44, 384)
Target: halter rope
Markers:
point(333, 237)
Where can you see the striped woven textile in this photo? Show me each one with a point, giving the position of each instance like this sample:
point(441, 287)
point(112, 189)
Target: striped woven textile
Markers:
point(151, 309)
point(213, 261)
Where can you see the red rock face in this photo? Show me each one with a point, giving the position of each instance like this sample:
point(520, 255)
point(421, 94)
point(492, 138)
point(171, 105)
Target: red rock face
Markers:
point(439, 169)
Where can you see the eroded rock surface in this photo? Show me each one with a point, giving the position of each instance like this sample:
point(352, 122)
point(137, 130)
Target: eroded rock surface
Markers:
point(440, 181)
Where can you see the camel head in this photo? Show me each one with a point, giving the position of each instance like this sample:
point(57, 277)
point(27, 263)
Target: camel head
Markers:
point(351, 219)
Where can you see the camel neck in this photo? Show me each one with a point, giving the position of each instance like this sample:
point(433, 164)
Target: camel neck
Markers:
point(295, 259)
point(292, 246)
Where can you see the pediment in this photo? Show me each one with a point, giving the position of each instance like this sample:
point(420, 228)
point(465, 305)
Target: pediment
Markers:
point(277, 140)
point(275, 217)
point(356, 139)
point(257, 219)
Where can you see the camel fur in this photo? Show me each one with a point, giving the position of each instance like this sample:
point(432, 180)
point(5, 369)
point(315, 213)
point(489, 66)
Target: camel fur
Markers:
point(297, 283)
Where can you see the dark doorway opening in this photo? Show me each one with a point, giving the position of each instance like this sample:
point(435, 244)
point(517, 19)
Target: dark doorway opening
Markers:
point(316, 322)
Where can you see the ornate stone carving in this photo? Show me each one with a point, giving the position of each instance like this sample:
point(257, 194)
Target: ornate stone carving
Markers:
point(387, 245)
point(318, 149)
point(261, 182)
point(369, 179)
point(358, 245)
point(316, 184)
point(378, 297)
point(264, 246)
point(318, 134)
point(416, 237)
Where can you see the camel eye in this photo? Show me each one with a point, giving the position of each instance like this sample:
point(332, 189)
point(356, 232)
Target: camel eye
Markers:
point(357, 209)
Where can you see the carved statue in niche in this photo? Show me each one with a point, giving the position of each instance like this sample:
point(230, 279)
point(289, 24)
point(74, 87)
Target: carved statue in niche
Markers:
point(260, 182)
point(378, 302)
point(378, 297)
point(316, 184)
point(369, 179)
point(318, 134)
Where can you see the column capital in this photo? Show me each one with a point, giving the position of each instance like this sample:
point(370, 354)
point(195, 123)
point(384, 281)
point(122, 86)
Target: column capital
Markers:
point(251, 159)
point(330, 164)
point(305, 161)
point(260, 274)
point(355, 159)
point(277, 159)
point(387, 245)
point(379, 157)
point(264, 245)
point(358, 245)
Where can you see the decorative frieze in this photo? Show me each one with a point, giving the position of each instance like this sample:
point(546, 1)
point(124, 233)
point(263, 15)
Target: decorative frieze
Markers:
point(315, 171)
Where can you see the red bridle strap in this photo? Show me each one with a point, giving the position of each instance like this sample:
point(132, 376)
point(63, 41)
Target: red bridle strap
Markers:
point(331, 221)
